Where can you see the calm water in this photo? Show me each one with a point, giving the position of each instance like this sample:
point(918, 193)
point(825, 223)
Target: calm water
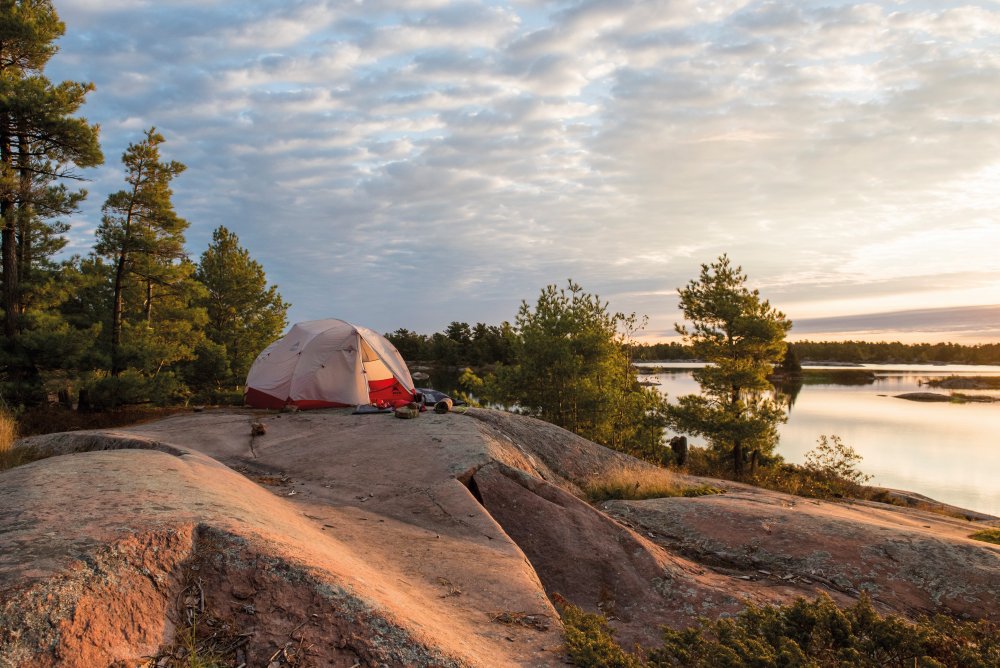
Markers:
point(950, 452)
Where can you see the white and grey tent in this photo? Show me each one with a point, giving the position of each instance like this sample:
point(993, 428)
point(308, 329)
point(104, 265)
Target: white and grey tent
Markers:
point(328, 363)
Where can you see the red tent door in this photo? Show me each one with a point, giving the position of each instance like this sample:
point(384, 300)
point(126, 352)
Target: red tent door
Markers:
point(382, 385)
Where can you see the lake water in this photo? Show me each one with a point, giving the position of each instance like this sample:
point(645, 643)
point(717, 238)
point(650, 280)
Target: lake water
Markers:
point(949, 452)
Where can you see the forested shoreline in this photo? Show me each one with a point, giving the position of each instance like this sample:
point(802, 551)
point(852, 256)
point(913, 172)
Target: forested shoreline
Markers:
point(462, 344)
point(857, 352)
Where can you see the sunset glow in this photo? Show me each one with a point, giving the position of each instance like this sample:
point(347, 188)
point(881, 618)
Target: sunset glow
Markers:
point(406, 164)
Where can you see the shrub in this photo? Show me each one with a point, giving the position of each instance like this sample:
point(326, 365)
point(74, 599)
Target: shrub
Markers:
point(590, 641)
point(8, 429)
point(52, 419)
point(706, 462)
point(988, 536)
point(834, 467)
point(219, 396)
point(830, 472)
point(813, 633)
point(134, 387)
point(469, 387)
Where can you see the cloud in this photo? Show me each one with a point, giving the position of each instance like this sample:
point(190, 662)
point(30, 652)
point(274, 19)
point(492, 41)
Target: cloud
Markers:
point(839, 151)
point(977, 323)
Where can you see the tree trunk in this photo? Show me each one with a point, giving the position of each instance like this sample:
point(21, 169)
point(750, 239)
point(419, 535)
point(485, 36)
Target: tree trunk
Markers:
point(83, 401)
point(116, 313)
point(10, 284)
point(23, 244)
point(120, 272)
point(8, 238)
point(24, 211)
point(148, 306)
point(734, 399)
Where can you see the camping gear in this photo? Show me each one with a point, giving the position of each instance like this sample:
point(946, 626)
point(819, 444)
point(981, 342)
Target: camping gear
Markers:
point(409, 411)
point(329, 363)
point(370, 409)
point(431, 397)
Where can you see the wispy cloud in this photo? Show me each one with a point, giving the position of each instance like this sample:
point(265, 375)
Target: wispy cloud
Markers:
point(977, 324)
point(408, 164)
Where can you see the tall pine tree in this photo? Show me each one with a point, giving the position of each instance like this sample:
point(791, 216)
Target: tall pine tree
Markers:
point(142, 235)
point(244, 313)
point(41, 144)
point(742, 337)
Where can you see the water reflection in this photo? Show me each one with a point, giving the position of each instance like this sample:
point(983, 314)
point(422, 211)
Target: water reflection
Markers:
point(946, 451)
point(786, 391)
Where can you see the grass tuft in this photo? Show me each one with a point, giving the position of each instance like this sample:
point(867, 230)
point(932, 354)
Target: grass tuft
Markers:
point(9, 432)
point(640, 483)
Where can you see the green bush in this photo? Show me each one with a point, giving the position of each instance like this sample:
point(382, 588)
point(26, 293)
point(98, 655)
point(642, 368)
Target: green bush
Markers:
point(807, 634)
point(830, 471)
point(52, 419)
point(590, 641)
point(988, 536)
point(217, 397)
point(834, 468)
point(134, 387)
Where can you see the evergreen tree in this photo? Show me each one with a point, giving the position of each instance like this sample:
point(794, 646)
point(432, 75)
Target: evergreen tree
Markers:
point(142, 234)
point(572, 369)
point(492, 344)
point(742, 337)
point(158, 339)
point(41, 143)
point(244, 313)
point(62, 329)
point(411, 346)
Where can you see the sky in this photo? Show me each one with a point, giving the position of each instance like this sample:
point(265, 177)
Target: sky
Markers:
point(408, 163)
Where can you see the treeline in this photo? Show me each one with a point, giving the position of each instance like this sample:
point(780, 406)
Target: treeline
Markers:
point(483, 345)
point(460, 344)
point(653, 352)
point(853, 351)
point(901, 353)
point(136, 319)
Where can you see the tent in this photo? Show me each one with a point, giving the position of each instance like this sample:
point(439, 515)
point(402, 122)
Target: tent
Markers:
point(328, 363)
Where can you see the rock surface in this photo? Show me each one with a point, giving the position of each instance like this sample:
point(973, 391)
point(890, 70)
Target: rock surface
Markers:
point(360, 539)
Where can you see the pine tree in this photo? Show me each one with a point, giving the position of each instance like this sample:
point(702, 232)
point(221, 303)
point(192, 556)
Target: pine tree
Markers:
point(572, 369)
point(741, 337)
point(41, 143)
point(244, 313)
point(142, 234)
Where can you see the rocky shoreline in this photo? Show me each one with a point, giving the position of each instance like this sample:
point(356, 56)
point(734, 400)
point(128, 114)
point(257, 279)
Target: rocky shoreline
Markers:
point(435, 541)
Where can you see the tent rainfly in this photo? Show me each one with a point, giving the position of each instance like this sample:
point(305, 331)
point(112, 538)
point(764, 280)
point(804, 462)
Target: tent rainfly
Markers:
point(328, 363)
